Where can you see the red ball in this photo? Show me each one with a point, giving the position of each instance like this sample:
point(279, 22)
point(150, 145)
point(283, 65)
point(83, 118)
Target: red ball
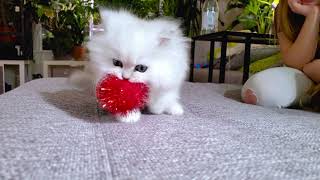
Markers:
point(119, 96)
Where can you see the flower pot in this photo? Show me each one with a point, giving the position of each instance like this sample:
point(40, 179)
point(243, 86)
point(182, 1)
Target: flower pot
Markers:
point(78, 52)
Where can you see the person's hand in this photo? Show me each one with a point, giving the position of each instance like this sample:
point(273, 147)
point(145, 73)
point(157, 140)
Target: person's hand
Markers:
point(310, 2)
point(304, 9)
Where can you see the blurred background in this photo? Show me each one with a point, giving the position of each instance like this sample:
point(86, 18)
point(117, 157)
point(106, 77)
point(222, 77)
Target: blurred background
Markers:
point(46, 38)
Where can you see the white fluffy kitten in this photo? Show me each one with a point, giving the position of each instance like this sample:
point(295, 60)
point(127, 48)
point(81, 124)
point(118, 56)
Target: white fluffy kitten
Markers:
point(153, 52)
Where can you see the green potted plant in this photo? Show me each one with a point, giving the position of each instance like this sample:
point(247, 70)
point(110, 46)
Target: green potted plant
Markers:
point(183, 9)
point(187, 11)
point(53, 17)
point(79, 19)
point(257, 15)
point(142, 8)
point(66, 20)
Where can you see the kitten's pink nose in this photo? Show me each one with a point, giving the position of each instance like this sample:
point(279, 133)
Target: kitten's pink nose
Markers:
point(125, 77)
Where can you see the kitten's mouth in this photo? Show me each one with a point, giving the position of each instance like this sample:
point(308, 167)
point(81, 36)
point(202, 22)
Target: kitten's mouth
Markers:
point(134, 81)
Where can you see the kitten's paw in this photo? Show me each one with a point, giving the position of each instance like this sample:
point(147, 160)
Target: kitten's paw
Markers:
point(175, 109)
point(131, 117)
point(155, 110)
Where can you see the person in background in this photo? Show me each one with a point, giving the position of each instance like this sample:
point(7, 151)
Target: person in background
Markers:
point(297, 25)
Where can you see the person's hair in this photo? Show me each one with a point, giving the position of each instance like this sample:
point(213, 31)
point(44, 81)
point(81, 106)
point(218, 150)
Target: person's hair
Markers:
point(287, 21)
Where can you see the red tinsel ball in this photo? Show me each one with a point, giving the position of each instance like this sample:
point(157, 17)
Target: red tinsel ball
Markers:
point(119, 96)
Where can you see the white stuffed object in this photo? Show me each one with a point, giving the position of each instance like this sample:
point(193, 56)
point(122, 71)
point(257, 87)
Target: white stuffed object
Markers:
point(276, 87)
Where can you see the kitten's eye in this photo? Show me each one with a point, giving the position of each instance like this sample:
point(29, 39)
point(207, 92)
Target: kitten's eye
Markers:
point(117, 62)
point(141, 68)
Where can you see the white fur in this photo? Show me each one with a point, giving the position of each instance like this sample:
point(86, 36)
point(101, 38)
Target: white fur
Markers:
point(131, 117)
point(158, 44)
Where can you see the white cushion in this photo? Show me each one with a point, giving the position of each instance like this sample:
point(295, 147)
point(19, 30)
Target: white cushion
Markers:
point(278, 87)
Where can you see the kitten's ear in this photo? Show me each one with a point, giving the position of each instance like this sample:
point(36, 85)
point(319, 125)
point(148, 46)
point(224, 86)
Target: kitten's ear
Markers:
point(105, 16)
point(163, 41)
point(167, 35)
point(113, 17)
point(168, 29)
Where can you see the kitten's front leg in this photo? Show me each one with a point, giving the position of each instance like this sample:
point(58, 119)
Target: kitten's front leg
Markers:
point(165, 103)
point(130, 117)
point(174, 109)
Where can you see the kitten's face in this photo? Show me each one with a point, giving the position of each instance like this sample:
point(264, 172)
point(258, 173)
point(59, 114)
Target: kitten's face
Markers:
point(151, 52)
point(134, 70)
point(128, 54)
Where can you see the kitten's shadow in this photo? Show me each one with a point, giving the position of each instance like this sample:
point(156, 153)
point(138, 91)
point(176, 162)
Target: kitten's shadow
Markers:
point(77, 104)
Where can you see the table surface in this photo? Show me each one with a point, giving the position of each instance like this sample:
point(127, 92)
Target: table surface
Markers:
point(226, 37)
point(64, 62)
point(240, 37)
point(14, 62)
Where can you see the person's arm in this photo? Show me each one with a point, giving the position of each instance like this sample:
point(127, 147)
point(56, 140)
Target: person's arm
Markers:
point(300, 52)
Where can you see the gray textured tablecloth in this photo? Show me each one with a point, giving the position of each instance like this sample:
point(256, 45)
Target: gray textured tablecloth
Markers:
point(50, 131)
